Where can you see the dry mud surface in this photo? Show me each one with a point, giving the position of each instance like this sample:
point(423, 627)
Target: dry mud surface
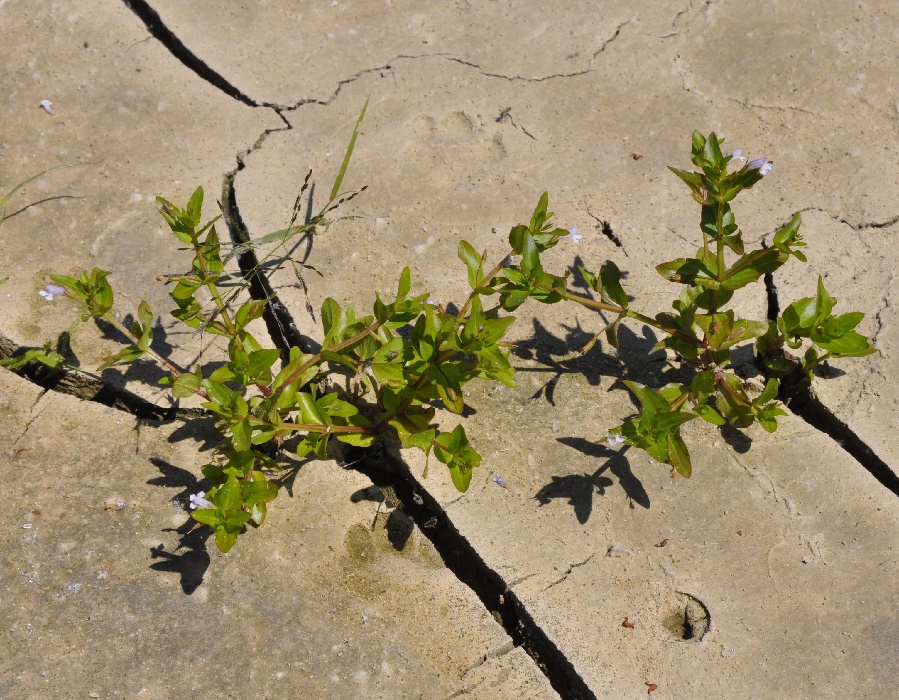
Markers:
point(778, 573)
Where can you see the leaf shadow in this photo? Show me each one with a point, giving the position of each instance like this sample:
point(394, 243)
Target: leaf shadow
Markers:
point(193, 563)
point(580, 489)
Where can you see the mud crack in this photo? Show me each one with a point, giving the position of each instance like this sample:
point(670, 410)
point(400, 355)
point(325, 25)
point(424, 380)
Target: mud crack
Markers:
point(388, 472)
point(176, 47)
point(386, 469)
point(796, 393)
point(552, 76)
point(568, 572)
point(88, 387)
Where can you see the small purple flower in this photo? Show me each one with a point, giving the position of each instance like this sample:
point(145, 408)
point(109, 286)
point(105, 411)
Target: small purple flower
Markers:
point(198, 500)
point(614, 439)
point(51, 291)
point(737, 156)
point(498, 479)
point(763, 165)
point(575, 236)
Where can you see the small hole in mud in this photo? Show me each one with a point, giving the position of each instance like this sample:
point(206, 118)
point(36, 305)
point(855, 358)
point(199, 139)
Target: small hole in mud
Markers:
point(689, 621)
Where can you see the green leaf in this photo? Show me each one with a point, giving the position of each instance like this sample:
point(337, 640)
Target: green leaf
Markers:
point(381, 310)
point(335, 190)
point(652, 403)
point(717, 327)
point(610, 277)
point(404, 286)
point(195, 206)
point(253, 492)
point(752, 266)
point(517, 235)
point(309, 410)
point(388, 374)
point(240, 435)
point(671, 420)
point(530, 257)
point(473, 262)
point(540, 215)
point(824, 303)
point(227, 498)
point(612, 331)
point(708, 414)
point(679, 456)
point(331, 313)
point(769, 393)
point(129, 354)
point(461, 476)
point(788, 238)
point(207, 516)
point(225, 538)
point(767, 416)
point(249, 311)
point(186, 385)
point(422, 440)
point(850, 344)
point(688, 271)
point(261, 360)
point(449, 386)
point(693, 180)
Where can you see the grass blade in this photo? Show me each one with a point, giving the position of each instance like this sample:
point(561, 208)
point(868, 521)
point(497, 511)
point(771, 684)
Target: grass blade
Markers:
point(349, 152)
point(5, 198)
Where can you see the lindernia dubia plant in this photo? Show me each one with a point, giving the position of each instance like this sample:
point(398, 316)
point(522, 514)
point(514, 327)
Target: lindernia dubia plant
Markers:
point(379, 376)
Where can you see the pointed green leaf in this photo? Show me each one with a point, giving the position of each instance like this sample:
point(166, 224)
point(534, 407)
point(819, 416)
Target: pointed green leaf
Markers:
point(679, 456)
point(335, 190)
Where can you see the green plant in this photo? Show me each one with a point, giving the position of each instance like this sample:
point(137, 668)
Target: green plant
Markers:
point(371, 380)
point(701, 330)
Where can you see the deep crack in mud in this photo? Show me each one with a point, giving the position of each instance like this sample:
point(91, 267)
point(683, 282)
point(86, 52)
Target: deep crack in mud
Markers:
point(384, 468)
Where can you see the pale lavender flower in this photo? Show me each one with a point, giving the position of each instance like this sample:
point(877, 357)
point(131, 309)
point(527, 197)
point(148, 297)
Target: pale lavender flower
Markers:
point(47, 106)
point(51, 291)
point(575, 236)
point(614, 439)
point(737, 156)
point(198, 500)
point(763, 165)
point(498, 479)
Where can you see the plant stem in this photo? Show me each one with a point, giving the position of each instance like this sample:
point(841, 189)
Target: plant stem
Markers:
point(109, 318)
point(490, 275)
point(663, 327)
point(334, 348)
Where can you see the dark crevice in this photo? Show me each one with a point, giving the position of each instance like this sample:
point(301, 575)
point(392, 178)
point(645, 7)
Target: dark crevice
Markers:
point(278, 321)
point(771, 292)
point(90, 388)
point(797, 395)
point(892, 221)
point(796, 392)
point(176, 47)
point(390, 473)
point(386, 469)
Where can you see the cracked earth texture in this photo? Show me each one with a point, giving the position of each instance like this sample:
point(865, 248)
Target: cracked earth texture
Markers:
point(771, 573)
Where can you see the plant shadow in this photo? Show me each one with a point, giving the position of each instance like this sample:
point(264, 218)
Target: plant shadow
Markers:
point(192, 564)
point(580, 489)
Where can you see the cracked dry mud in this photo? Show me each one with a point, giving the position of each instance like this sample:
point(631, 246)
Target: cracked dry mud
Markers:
point(778, 573)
